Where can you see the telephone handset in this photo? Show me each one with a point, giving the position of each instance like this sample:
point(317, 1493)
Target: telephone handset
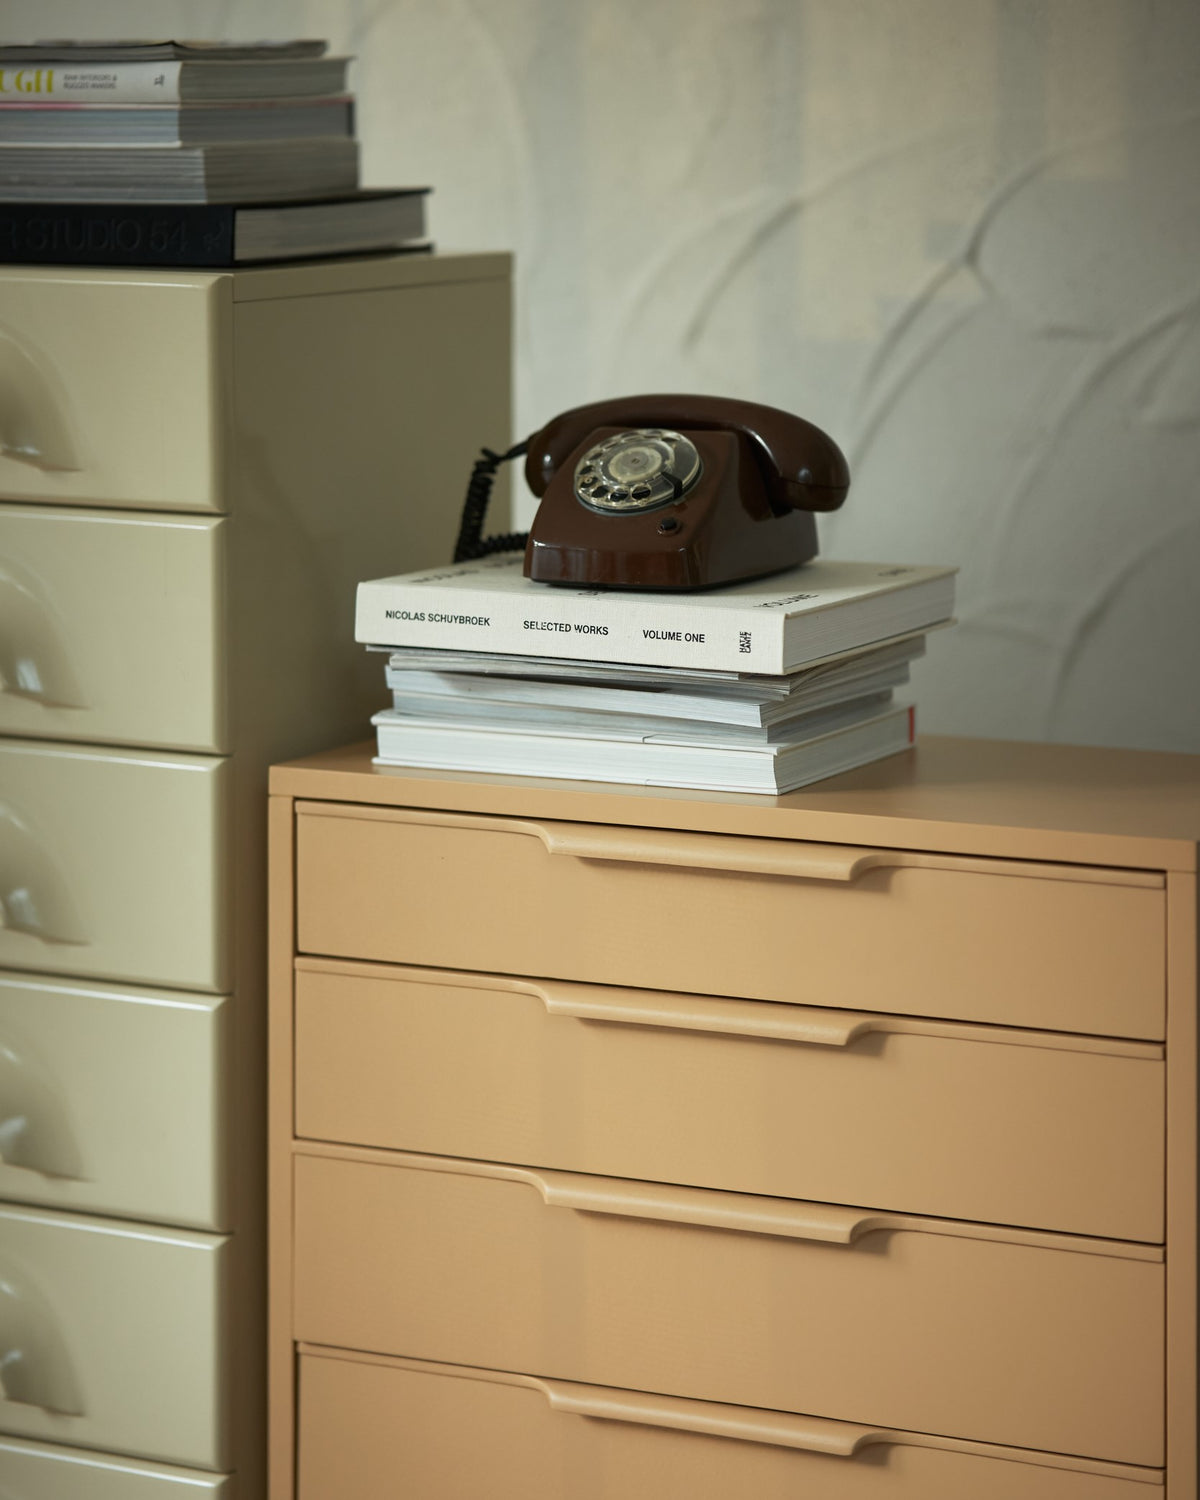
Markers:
point(668, 492)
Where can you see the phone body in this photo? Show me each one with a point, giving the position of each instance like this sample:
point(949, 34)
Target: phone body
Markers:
point(677, 492)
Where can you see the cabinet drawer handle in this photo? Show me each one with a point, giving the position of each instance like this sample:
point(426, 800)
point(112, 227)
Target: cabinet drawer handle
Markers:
point(703, 851)
point(35, 1130)
point(34, 897)
point(34, 662)
point(812, 1434)
point(32, 427)
point(35, 1368)
point(708, 1209)
point(750, 1018)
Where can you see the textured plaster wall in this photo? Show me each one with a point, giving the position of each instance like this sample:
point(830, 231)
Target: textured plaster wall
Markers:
point(963, 235)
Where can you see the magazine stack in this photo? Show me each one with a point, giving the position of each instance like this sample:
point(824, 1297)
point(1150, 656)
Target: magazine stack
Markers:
point(186, 154)
point(756, 687)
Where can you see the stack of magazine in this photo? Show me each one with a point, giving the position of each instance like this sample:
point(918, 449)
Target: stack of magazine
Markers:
point(186, 153)
point(755, 687)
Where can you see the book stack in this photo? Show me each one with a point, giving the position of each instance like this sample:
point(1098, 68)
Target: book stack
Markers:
point(186, 154)
point(757, 687)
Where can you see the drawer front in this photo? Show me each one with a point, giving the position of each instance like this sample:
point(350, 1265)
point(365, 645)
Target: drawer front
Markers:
point(1062, 948)
point(110, 864)
point(110, 389)
point(40, 1471)
point(109, 1101)
point(928, 1117)
point(111, 627)
point(109, 1336)
point(375, 1429)
point(753, 1301)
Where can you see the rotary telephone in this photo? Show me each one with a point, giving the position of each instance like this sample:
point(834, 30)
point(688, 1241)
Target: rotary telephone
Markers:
point(665, 492)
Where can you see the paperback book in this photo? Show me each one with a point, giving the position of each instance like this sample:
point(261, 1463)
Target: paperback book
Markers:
point(229, 173)
point(76, 123)
point(773, 625)
point(167, 72)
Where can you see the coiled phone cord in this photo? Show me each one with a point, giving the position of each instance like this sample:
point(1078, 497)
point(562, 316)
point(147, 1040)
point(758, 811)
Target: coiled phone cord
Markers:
point(471, 543)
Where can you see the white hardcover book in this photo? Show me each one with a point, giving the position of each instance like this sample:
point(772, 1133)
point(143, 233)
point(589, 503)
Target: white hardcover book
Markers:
point(558, 719)
point(462, 695)
point(759, 686)
point(773, 625)
point(649, 760)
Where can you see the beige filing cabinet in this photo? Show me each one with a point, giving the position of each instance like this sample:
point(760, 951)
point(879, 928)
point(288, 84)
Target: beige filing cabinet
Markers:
point(640, 1144)
point(195, 469)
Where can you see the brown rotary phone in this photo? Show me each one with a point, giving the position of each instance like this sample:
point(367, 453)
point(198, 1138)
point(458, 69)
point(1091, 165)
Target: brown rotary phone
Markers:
point(666, 492)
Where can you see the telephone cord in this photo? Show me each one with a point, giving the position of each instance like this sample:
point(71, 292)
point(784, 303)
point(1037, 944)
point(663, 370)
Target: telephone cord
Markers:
point(471, 542)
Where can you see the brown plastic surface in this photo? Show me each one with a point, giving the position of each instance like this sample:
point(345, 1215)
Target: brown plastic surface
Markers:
point(376, 1429)
point(1052, 949)
point(722, 530)
point(870, 1318)
point(783, 444)
point(1051, 1131)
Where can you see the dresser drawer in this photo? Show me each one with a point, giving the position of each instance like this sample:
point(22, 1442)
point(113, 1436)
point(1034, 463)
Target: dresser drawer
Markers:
point(41, 1471)
point(722, 1297)
point(109, 1100)
point(1060, 947)
point(929, 1117)
point(91, 878)
point(110, 1336)
point(374, 1429)
point(111, 627)
point(111, 388)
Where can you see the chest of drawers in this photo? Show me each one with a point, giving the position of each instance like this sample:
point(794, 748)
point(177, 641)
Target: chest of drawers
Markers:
point(642, 1142)
point(195, 469)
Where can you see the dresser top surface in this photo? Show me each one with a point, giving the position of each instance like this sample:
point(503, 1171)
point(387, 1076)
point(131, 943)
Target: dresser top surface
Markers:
point(1004, 798)
point(270, 281)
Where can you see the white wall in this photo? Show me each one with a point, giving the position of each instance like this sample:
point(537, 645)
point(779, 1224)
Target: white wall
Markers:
point(963, 235)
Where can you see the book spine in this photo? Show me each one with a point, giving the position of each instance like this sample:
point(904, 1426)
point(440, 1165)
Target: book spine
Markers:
point(118, 234)
point(604, 627)
point(91, 83)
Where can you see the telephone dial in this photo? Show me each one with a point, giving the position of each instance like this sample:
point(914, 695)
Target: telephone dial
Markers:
point(665, 492)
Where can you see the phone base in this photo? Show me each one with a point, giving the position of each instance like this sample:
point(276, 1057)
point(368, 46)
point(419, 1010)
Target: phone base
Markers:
point(724, 531)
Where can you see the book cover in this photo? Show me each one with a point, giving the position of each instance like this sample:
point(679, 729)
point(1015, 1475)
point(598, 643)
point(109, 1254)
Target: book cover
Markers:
point(140, 76)
point(771, 625)
point(205, 235)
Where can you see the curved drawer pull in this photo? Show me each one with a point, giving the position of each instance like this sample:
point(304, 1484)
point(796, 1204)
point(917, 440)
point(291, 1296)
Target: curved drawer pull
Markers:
point(751, 1018)
point(781, 1430)
point(33, 429)
point(35, 1127)
point(35, 1368)
point(34, 897)
point(706, 851)
point(706, 1208)
point(34, 662)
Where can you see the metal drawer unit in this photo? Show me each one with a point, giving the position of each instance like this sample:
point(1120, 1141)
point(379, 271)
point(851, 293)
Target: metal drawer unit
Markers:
point(196, 469)
point(843, 1139)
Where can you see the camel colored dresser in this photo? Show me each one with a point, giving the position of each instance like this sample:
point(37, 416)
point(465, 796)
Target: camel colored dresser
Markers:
point(640, 1144)
point(194, 470)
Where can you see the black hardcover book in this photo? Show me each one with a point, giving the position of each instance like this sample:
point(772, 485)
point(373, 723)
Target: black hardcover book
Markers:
point(206, 235)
